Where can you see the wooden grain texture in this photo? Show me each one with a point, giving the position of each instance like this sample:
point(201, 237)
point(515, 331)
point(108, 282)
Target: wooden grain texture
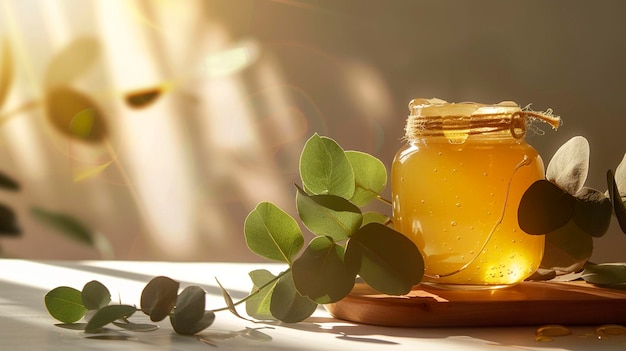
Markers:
point(528, 303)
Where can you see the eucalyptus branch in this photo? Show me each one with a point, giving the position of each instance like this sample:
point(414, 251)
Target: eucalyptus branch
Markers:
point(254, 292)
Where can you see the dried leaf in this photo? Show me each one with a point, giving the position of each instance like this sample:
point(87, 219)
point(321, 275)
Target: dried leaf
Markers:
point(6, 71)
point(544, 207)
point(73, 61)
point(569, 165)
point(229, 301)
point(75, 115)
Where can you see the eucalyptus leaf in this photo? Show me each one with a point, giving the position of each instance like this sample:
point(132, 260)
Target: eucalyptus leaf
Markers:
point(569, 166)
point(325, 169)
point(567, 249)
point(65, 224)
point(189, 311)
point(143, 98)
point(328, 215)
point(258, 305)
point(385, 259)
point(158, 297)
point(95, 295)
point(107, 315)
point(618, 205)
point(6, 70)
point(73, 61)
point(320, 273)
point(287, 304)
point(544, 207)
point(605, 274)
point(273, 234)
point(8, 183)
point(229, 301)
point(136, 327)
point(370, 177)
point(75, 114)
point(592, 212)
point(8, 221)
point(65, 304)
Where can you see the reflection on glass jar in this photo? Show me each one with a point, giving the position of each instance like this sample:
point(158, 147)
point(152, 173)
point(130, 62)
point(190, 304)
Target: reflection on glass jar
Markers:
point(456, 186)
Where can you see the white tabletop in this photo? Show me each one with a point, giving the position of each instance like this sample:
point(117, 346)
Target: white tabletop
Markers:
point(26, 325)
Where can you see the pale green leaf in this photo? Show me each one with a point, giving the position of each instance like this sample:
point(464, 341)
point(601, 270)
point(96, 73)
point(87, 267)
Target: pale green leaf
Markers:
point(328, 215)
point(107, 315)
point(325, 169)
point(95, 295)
point(65, 304)
point(374, 217)
point(386, 260)
point(287, 304)
point(370, 177)
point(273, 234)
point(158, 297)
point(605, 274)
point(258, 306)
point(320, 273)
point(569, 166)
point(137, 327)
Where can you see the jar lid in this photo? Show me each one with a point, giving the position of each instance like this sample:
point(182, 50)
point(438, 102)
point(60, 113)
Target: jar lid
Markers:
point(456, 121)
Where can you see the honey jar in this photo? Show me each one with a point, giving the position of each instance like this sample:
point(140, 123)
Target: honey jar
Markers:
point(456, 185)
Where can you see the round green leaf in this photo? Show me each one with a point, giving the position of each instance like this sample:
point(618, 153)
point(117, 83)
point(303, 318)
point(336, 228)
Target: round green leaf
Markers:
point(618, 205)
point(544, 207)
point(374, 217)
point(386, 260)
point(65, 304)
point(258, 305)
point(592, 212)
point(325, 169)
point(107, 315)
point(189, 311)
point(328, 215)
point(370, 177)
point(569, 166)
point(273, 234)
point(95, 295)
point(158, 297)
point(320, 273)
point(605, 274)
point(567, 249)
point(287, 304)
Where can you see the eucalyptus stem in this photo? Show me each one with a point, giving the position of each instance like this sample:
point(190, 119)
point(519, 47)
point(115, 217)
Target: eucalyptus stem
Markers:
point(383, 200)
point(254, 292)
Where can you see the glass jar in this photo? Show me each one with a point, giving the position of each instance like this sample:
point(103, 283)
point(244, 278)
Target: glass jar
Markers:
point(456, 186)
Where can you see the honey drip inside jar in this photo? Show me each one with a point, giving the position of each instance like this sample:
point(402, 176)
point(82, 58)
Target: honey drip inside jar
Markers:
point(456, 186)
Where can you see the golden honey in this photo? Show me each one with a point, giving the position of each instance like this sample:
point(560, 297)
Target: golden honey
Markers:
point(456, 186)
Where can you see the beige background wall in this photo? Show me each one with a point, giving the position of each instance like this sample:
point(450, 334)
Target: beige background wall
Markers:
point(250, 81)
